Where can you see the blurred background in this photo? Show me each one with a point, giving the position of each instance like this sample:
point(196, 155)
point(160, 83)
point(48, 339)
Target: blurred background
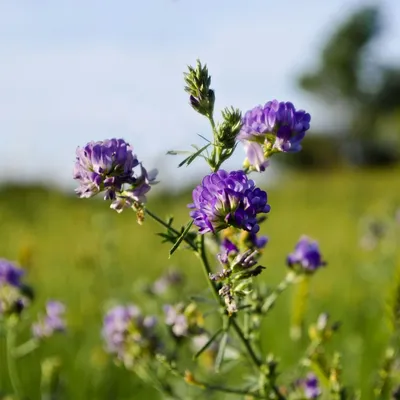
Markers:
point(73, 71)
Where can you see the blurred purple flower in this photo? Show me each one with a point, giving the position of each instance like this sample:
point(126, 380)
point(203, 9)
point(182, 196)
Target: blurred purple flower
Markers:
point(169, 279)
point(311, 387)
point(52, 322)
point(128, 334)
point(175, 317)
point(306, 254)
point(276, 124)
point(227, 199)
point(10, 274)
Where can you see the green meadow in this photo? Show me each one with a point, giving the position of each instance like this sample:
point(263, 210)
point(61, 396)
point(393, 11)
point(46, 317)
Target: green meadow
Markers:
point(86, 255)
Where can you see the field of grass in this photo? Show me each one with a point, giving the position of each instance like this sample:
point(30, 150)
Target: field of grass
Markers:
point(83, 253)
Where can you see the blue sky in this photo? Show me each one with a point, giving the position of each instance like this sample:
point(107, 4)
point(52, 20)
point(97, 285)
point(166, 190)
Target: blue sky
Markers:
point(73, 71)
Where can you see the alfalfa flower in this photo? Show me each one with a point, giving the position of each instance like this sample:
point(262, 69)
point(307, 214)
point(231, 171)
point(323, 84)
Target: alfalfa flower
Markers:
point(311, 387)
point(306, 255)
point(108, 166)
point(225, 199)
point(129, 335)
point(53, 321)
point(274, 127)
point(184, 320)
point(13, 296)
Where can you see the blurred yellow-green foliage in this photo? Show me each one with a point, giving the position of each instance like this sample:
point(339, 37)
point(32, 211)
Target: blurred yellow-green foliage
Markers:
point(83, 253)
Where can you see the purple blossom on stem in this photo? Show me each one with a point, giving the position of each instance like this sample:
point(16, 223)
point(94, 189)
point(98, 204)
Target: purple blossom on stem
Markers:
point(128, 334)
point(10, 274)
point(52, 322)
point(276, 126)
point(109, 166)
point(175, 318)
point(306, 254)
point(226, 199)
point(311, 387)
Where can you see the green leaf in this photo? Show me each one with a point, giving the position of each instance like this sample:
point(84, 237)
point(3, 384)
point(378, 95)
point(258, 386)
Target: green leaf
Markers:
point(193, 156)
point(176, 152)
point(180, 238)
point(221, 352)
point(207, 345)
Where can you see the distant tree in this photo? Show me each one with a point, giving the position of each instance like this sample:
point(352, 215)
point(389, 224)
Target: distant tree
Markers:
point(347, 75)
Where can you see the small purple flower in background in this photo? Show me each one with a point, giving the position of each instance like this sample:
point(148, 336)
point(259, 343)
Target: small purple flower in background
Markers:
point(311, 387)
point(306, 254)
point(52, 322)
point(13, 295)
point(10, 274)
point(170, 279)
point(276, 126)
point(109, 166)
point(226, 199)
point(175, 318)
point(128, 334)
point(184, 320)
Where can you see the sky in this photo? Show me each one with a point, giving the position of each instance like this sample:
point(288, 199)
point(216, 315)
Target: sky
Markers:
point(72, 71)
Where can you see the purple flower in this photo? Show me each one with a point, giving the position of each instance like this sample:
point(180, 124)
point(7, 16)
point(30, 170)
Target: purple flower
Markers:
point(128, 334)
point(311, 387)
point(168, 280)
point(52, 322)
point(10, 274)
point(109, 166)
point(227, 247)
point(175, 317)
point(104, 165)
point(259, 242)
point(306, 254)
point(227, 199)
point(277, 126)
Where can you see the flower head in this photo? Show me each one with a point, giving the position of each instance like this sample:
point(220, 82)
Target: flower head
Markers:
point(311, 387)
point(183, 320)
point(52, 322)
point(170, 279)
point(10, 274)
point(276, 126)
point(128, 334)
point(13, 296)
point(109, 166)
point(307, 255)
point(226, 199)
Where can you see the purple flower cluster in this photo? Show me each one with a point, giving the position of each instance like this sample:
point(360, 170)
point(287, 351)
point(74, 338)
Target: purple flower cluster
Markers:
point(184, 320)
point(128, 334)
point(307, 255)
point(109, 166)
point(176, 319)
point(12, 300)
point(311, 387)
point(226, 199)
point(10, 274)
point(276, 126)
point(52, 322)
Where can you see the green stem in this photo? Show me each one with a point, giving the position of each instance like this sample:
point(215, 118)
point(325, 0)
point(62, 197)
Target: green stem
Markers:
point(271, 299)
point(236, 327)
point(26, 348)
point(224, 389)
point(11, 362)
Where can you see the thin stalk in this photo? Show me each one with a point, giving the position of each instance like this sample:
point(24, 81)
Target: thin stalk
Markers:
point(224, 389)
point(236, 327)
point(271, 299)
point(12, 365)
